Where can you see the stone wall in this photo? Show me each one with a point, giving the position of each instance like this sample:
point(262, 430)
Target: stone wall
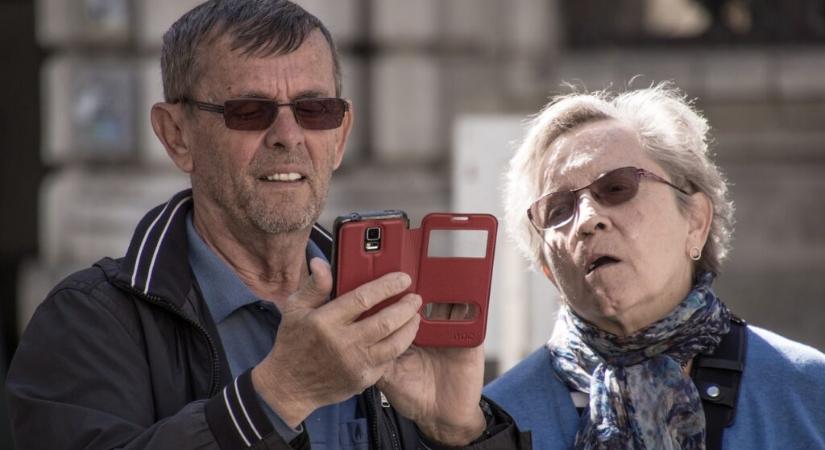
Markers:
point(415, 69)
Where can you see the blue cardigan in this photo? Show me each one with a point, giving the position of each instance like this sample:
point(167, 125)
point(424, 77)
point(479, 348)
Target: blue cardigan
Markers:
point(781, 399)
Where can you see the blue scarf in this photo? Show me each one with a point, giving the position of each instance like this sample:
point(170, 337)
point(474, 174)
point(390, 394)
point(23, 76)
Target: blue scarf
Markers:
point(640, 397)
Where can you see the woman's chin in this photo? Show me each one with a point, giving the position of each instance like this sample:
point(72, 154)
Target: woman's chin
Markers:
point(611, 313)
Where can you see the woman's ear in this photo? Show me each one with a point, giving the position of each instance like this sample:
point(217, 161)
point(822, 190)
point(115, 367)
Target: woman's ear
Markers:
point(700, 217)
point(167, 121)
point(547, 272)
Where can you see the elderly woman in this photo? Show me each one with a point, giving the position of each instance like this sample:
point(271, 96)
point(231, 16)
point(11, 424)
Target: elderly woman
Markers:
point(616, 199)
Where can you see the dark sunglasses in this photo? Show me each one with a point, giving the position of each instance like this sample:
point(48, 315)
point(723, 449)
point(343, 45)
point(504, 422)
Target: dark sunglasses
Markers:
point(610, 188)
point(248, 114)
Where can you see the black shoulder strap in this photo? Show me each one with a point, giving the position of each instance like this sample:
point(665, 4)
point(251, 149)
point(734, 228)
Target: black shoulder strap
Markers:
point(717, 377)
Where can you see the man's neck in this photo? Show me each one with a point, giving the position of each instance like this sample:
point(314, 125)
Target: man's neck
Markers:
point(271, 265)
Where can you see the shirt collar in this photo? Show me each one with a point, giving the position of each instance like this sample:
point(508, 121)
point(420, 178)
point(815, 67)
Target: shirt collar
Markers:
point(222, 289)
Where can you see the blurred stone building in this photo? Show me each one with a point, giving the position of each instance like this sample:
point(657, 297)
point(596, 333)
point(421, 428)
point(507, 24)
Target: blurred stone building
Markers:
point(440, 88)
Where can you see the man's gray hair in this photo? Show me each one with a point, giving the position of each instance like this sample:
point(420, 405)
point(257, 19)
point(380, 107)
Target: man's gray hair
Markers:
point(673, 134)
point(256, 27)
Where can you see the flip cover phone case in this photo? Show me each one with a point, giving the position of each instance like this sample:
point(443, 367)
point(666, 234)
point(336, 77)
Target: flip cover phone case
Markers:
point(370, 245)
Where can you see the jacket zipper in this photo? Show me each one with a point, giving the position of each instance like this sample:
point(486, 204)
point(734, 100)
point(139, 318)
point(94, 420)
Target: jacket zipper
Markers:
point(389, 421)
point(393, 435)
point(216, 362)
point(374, 398)
point(372, 412)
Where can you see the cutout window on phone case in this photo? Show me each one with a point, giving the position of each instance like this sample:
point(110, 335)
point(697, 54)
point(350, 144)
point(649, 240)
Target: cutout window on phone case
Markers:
point(450, 312)
point(457, 244)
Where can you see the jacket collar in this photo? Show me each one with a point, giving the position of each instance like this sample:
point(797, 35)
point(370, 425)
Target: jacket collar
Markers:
point(157, 262)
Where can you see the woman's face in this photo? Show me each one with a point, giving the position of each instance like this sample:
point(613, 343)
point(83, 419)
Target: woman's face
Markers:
point(625, 266)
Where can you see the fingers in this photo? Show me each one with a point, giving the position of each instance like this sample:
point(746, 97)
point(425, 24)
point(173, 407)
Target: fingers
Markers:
point(315, 289)
point(450, 311)
point(391, 347)
point(438, 311)
point(358, 301)
point(387, 321)
point(460, 311)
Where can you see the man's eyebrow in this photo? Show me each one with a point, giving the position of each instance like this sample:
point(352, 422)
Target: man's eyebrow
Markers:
point(252, 94)
point(311, 93)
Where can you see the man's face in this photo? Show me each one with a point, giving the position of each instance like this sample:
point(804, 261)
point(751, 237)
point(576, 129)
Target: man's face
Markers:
point(274, 180)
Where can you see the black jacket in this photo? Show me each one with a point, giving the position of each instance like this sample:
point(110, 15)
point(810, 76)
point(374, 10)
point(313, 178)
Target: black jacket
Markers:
point(125, 354)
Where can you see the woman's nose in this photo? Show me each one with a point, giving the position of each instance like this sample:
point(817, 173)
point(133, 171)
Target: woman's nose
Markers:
point(590, 215)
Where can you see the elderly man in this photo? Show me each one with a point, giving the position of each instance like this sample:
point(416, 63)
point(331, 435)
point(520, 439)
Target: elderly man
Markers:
point(216, 329)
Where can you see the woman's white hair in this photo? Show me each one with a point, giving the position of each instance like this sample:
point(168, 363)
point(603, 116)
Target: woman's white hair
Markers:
point(672, 133)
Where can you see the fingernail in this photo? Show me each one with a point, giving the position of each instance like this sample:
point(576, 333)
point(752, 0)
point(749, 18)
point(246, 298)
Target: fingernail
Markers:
point(404, 279)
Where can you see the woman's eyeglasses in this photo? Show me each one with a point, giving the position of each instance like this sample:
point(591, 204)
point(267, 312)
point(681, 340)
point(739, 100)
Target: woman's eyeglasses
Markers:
point(248, 114)
point(615, 187)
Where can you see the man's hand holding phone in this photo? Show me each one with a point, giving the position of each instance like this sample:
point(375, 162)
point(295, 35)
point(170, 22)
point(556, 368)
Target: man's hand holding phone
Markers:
point(323, 353)
point(436, 383)
point(439, 388)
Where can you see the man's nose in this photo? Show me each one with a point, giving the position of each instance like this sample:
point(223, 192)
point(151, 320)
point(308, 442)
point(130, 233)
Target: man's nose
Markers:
point(285, 130)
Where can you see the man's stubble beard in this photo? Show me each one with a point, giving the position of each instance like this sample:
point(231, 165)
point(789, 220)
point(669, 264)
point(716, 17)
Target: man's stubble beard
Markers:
point(248, 208)
point(287, 217)
point(250, 211)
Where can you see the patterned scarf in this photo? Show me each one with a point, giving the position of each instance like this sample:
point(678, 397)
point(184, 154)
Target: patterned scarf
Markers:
point(639, 395)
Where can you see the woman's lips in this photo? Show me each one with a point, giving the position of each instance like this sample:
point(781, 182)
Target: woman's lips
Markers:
point(600, 262)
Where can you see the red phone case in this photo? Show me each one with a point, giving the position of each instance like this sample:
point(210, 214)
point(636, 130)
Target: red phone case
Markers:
point(435, 279)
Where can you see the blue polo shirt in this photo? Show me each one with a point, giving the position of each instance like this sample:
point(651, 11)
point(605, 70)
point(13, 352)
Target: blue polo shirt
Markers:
point(248, 327)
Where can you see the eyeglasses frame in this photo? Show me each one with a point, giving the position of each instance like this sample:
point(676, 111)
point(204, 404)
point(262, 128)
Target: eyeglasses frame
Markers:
point(221, 109)
point(639, 173)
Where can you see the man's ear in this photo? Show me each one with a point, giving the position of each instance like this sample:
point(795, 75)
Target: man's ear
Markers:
point(167, 121)
point(343, 135)
point(700, 217)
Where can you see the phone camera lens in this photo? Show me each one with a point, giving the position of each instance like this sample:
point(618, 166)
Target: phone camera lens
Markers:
point(374, 234)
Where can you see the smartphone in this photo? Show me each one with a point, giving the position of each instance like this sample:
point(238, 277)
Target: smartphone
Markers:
point(366, 246)
point(455, 287)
